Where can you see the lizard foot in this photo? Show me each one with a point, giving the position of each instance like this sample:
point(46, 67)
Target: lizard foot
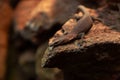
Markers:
point(97, 19)
point(64, 39)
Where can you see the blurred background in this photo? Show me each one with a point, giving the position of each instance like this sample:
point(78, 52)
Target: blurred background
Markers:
point(22, 45)
point(18, 54)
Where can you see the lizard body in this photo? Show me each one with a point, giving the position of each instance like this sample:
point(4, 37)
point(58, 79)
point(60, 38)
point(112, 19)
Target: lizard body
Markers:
point(83, 25)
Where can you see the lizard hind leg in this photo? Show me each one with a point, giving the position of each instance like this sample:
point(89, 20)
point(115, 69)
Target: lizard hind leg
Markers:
point(96, 19)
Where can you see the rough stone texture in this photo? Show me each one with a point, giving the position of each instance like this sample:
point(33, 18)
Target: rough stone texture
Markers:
point(95, 56)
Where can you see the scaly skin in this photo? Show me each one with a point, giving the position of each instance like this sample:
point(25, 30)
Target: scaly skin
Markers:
point(83, 26)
